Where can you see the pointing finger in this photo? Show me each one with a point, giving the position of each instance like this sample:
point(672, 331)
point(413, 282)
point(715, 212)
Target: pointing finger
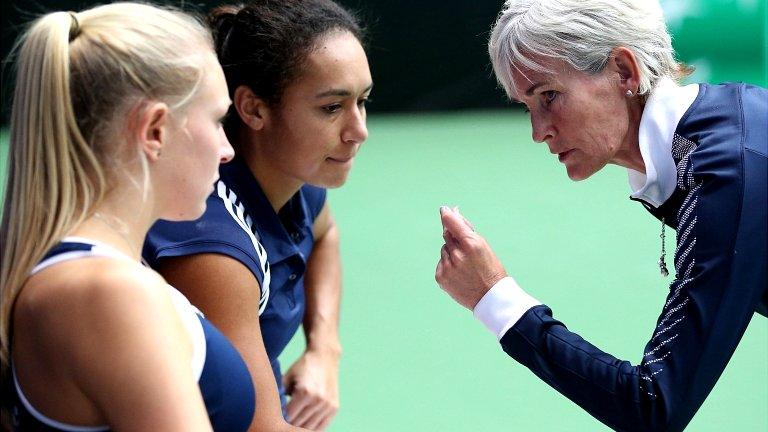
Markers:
point(454, 224)
point(456, 209)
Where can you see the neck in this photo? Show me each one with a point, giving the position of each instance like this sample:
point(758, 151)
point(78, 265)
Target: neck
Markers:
point(629, 155)
point(278, 186)
point(116, 223)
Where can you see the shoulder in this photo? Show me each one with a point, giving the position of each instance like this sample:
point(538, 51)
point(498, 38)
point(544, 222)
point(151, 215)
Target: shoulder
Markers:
point(755, 105)
point(215, 283)
point(95, 317)
point(81, 308)
point(717, 128)
point(215, 221)
point(224, 229)
point(205, 273)
point(94, 287)
point(114, 281)
point(727, 109)
point(92, 314)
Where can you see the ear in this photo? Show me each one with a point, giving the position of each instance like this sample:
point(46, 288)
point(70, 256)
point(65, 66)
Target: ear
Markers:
point(253, 110)
point(624, 63)
point(153, 123)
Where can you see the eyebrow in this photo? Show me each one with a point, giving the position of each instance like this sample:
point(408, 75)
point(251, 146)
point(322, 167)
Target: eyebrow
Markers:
point(340, 92)
point(533, 88)
point(530, 91)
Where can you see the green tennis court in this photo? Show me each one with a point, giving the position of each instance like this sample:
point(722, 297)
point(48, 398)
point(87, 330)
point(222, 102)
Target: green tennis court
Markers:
point(415, 361)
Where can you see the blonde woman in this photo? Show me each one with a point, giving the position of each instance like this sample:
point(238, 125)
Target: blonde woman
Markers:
point(115, 124)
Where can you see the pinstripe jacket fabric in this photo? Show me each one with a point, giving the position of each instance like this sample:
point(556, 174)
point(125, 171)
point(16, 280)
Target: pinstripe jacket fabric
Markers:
point(718, 207)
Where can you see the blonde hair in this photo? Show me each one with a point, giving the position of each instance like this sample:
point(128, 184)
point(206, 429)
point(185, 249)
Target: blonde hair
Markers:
point(583, 33)
point(78, 76)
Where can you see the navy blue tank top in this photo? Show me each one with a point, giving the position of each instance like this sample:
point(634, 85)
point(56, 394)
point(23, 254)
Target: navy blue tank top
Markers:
point(223, 377)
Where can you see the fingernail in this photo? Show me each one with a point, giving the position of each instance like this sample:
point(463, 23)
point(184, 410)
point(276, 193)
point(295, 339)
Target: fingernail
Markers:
point(443, 209)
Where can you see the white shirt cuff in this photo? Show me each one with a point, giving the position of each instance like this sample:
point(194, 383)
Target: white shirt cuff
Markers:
point(503, 305)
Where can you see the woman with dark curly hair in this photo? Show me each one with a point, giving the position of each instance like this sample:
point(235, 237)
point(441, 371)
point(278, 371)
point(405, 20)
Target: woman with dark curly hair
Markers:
point(265, 256)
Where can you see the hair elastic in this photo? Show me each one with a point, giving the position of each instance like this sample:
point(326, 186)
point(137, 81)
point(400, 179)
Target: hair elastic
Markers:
point(74, 27)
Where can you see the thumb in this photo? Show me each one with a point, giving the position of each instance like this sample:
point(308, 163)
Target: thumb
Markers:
point(454, 223)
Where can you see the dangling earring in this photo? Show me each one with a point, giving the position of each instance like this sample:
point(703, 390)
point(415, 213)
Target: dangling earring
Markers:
point(629, 93)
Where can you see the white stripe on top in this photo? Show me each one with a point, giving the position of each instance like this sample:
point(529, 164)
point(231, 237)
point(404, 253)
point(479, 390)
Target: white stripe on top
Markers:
point(245, 222)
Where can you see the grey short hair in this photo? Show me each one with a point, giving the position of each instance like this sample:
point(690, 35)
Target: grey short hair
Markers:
point(582, 33)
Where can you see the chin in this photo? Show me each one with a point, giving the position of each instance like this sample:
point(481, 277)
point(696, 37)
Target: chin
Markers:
point(335, 184)
point(577, 177)
point(188, 215)
point(331, 182)
point(583, 171)
point(578, 173)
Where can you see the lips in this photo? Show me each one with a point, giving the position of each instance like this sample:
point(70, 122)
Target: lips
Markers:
point(562, 156)
point(556, 150)
point(342, 159)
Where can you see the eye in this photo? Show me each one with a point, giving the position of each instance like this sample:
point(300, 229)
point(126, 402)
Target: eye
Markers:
point(549, 96)
point(362, 102)
point(332, 108)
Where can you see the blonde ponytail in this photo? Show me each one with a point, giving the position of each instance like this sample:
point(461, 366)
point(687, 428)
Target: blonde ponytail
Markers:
point(43, 174)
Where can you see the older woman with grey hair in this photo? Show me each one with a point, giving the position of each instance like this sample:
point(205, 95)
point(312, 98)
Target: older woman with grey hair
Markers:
point(600, 81)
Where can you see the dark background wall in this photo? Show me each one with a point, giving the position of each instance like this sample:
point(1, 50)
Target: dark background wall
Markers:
point(428, 55)
point(431, 54)
point(424, 55)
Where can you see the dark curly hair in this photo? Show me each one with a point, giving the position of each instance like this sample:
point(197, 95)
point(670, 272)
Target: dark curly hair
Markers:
point(263, 44)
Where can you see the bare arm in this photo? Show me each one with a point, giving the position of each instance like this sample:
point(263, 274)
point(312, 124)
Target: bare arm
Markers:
point(323, 286)
point(228, 293)
point(313, 381)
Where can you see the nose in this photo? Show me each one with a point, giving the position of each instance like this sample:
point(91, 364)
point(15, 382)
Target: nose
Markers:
point(541, 129)
point(226, 152)
point(355, 131)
